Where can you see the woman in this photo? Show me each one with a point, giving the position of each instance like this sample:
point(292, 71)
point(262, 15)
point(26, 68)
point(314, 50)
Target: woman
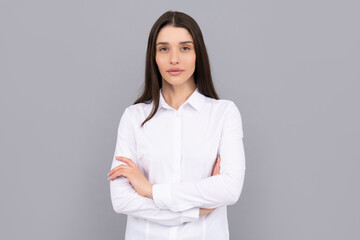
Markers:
point(166, 172)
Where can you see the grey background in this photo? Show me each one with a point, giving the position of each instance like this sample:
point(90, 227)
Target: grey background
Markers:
point(68, 69)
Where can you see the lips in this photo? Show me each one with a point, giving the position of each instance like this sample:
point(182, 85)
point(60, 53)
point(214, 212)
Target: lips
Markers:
point(175, 70)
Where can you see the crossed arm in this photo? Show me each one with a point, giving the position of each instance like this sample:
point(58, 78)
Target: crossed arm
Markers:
point(175, 203)
point(126, 200)
point(141, 194)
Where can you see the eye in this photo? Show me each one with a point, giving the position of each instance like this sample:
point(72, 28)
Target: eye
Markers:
point(186, 48)
point(162, 49)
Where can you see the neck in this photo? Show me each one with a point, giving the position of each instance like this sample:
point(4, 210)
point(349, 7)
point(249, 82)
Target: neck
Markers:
point(176, 95)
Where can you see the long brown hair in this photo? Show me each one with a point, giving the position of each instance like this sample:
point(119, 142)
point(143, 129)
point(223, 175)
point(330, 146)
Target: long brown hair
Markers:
point(153, 80)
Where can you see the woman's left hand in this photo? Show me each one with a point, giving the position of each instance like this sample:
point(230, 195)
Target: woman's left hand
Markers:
point(136, 178)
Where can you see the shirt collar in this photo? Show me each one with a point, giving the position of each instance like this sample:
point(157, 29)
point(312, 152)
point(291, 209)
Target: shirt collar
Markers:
point(196, 100)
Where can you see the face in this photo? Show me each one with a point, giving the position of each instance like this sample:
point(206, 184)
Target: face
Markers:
point(175, 55)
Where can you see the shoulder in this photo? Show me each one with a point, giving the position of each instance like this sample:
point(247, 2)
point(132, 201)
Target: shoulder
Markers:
point(139, 109)
point(137, 113)
point(227, 112)
point(221, 105)
point(230, 117)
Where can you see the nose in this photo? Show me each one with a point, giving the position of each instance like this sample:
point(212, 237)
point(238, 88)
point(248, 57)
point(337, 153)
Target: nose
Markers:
point(174, 58)
point(174, 61)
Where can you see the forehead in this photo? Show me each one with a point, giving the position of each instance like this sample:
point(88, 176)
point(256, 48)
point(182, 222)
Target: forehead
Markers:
point(173, 34)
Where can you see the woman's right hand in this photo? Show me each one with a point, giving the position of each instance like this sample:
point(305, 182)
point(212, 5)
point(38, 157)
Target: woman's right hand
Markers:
point(216, 171)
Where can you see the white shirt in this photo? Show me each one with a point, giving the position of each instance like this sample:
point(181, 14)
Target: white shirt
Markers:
point(176, 150)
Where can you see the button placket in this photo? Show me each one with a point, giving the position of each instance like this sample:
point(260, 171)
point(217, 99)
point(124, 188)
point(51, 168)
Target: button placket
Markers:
point(177, 163)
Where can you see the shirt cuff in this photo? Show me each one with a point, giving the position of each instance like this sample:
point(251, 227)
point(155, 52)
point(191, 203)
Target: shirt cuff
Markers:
point(162, 195)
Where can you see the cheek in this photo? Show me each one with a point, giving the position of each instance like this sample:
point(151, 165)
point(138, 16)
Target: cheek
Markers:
point(192, 61)
point(160, 63)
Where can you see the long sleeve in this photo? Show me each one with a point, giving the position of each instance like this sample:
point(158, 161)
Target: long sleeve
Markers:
point(125, 199)
point(214, 191)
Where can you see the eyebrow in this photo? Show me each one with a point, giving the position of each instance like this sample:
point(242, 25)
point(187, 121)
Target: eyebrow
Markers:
point(166, 43)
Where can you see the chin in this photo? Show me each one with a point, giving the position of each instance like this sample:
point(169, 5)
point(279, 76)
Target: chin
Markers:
point(176, 82)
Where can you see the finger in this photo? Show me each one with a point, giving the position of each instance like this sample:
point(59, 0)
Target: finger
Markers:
point(116, 169)
point(123, 159)
point(120, 157)
point(119, 173)
point(217, 170)
point(214, 169)
point(219, 163)
point(113, 170)
point(122, 166)
point(216, 161)
point(128, 161)
point(115, 175)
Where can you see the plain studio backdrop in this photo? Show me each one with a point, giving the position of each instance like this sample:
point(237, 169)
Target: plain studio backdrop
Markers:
point(68, 69)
